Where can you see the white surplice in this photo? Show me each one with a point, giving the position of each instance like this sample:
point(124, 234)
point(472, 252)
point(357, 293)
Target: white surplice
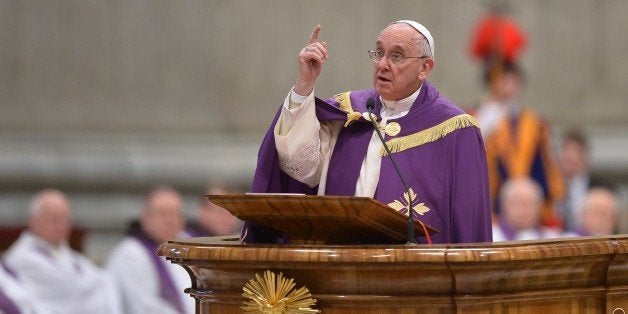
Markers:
point(527, 234)
point(138, 279)
point(61, 279)
point(13, 289)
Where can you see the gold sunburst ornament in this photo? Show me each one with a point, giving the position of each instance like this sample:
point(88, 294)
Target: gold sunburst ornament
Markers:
point(411, 199)
point(275, 294)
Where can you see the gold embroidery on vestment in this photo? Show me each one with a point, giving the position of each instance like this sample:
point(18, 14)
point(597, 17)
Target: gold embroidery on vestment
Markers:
point(344, 102)
point(392, 128)
point(431, 134)
point(409, 200)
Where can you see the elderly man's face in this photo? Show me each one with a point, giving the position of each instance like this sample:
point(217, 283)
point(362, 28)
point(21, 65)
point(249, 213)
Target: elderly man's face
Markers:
point(163, 219)
point(52, 220)
point(599, 212)
point(395, 82)
point(522, 209)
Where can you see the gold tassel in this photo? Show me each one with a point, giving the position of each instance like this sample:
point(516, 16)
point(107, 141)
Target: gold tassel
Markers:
point(344, 101)
point(352, 116)
point(430, 135)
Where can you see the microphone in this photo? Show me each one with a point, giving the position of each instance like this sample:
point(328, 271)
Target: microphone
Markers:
point(370, 104)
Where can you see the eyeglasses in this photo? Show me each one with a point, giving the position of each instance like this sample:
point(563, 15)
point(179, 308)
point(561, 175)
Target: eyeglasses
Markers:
point(394, 57)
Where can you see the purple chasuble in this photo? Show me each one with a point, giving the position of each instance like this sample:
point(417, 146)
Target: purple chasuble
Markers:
point(443, 162)
point(167, 289)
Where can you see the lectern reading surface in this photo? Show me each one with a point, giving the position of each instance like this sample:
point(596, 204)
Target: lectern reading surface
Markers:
point(312, 219)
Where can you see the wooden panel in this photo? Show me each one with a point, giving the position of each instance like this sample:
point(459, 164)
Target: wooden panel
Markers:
point(574, 301)
point(617, 280)
point(524, 266)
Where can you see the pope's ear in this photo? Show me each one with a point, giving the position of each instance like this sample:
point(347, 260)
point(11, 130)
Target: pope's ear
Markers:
point(426, 67)
point(429, 64)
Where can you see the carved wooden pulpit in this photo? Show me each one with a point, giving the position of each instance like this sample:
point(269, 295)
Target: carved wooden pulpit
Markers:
point(572, 275)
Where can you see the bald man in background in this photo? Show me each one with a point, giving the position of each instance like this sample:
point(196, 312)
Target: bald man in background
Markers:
point(213, 220)
point(520, 218)
point(149, 283)
point(62, 280)
point(599, 213)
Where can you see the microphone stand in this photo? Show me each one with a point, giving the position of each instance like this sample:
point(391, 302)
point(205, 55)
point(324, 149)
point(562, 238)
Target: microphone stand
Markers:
point(370, 103)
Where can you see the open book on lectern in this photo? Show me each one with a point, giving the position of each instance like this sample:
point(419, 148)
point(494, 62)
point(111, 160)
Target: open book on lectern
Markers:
point(315, 219)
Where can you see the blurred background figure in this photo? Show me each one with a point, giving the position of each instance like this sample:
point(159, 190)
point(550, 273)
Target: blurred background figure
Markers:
point(213, 220)
point(148, 283)
point(61, 279)
point(518, 143)
point(598, 215)
point(575, 167)
point(522, 200)
point(496, 41)
point(517, 139)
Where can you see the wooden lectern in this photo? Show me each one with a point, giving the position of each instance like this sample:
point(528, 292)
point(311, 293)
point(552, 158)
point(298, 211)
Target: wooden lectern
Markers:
point(312, 219)
point(575, 275)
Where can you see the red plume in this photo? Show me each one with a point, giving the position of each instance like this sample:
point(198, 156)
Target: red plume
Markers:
point(497, 37)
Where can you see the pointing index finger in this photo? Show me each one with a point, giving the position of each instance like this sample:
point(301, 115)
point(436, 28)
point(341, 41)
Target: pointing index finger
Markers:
point(314, 35)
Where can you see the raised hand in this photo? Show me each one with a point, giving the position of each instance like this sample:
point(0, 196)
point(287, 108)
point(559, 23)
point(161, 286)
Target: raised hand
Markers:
point(311, 60)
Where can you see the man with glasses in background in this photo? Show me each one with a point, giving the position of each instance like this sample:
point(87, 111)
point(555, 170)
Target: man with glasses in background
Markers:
point(330, 147)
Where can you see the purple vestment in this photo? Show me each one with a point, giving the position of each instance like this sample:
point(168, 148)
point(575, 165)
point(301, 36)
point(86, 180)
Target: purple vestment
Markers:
point(6, 305)
point(446, 166)
point(167, 288)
